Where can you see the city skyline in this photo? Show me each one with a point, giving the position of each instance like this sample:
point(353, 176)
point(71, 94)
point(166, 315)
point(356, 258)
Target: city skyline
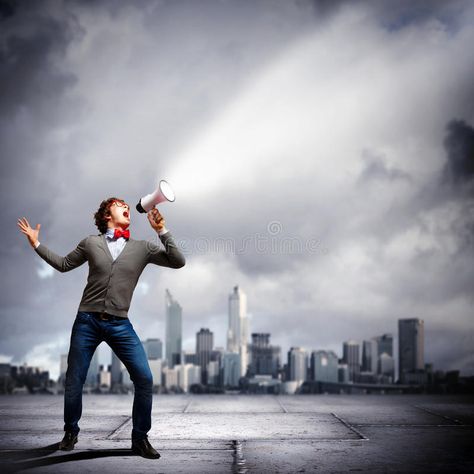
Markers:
point(372, 355)
point(351, 352)
point(210, 366)
point(363, 367)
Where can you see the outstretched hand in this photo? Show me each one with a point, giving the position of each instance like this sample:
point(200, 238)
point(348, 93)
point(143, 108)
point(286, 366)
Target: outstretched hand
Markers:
point(157, 221)
point(31, 233)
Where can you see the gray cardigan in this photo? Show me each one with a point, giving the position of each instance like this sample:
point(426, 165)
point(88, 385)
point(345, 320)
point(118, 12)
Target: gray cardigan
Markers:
point(110, 283)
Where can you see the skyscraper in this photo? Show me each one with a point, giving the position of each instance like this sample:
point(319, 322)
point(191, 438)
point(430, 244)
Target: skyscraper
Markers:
point(153, 348)
point(350, 356)
point(385, 364)
point(410, 346)
point(231, 369)
point(174, 316)
point(213, 372)
point(170, 378)
point(264, 358)
point(62, 369)
point(385, 344)
point(324, 366)
point(188, 374)
point(297, 364)
point(156, 367)
point(116, 370)
point(93, 371)
point(369, 356)
point(204, 346)
point(237, 334)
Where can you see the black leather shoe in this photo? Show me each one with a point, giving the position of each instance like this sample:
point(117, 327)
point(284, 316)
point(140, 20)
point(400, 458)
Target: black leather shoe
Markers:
point(68, 442)
point(143, 448)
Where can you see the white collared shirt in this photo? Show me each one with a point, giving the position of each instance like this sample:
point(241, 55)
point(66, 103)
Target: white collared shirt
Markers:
point(115, 245)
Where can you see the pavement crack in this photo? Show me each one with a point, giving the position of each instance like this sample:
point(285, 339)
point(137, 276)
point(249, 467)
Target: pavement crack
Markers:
point(116, 430)
point(355, 430)
point(448, 418)
point(186, 408)
point(283, 407)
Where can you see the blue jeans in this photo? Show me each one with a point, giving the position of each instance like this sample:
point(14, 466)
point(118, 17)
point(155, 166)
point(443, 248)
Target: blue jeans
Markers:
point(88, 332)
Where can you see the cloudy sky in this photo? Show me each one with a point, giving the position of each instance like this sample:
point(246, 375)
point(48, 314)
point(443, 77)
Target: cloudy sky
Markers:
point(322, 154)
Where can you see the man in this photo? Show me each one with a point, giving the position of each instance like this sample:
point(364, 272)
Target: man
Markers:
point(115, 264)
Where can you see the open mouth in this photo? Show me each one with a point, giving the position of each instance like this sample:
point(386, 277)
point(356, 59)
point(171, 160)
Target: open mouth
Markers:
point(125, 214)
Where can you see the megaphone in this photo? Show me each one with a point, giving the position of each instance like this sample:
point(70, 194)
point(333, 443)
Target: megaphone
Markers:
point(163, 193)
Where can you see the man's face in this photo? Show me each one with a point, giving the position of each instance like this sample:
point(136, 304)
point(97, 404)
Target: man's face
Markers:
point(119, 215)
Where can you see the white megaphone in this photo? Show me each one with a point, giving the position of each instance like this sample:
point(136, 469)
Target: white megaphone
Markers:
point(163, 193)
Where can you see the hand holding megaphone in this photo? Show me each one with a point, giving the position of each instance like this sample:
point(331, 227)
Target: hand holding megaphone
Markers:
point(163, 193)
point(157, 221)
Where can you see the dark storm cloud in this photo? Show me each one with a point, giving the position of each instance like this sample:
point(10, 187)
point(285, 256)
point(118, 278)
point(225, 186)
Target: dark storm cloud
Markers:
point(459, 145)
point(34, 37)
point(32, 42)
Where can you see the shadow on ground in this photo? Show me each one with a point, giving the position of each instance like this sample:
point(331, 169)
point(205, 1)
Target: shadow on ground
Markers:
point(18, 460)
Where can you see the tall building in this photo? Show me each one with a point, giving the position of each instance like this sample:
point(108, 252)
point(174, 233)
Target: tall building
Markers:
point(156, 367)
point(92, 377)
point(324, 366)
point(63, 365)
point(153, 348)
point(350, 357)
point(237, 333)
point(189, 358)
point(62, 369)
point(174, 317)
point(116, 370)
point(411, 346)
point(384, 344)
point(213, 369)
point(170, 378)
point(204, 346)
point(105, 379)
point(231, 369)
point(297, 364)
point(264, 358)
point(343, 373)
point(188, 374)
point(386, 366)
point(369, 356)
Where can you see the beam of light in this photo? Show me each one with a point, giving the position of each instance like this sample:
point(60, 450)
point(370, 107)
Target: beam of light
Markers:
point(284, 114)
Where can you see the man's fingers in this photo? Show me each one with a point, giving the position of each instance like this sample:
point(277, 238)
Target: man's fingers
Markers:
point(22, 225)
point(25, 227)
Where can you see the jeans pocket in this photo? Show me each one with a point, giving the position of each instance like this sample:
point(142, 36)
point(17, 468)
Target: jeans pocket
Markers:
point(83, 317)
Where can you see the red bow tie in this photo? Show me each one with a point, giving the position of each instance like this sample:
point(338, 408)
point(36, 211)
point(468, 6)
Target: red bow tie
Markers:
point(121, 233)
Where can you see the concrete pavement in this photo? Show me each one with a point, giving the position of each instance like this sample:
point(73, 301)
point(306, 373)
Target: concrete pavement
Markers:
point(240, 434)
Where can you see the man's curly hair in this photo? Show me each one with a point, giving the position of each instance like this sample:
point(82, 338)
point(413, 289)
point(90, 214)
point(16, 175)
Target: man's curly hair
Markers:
point(103, 212)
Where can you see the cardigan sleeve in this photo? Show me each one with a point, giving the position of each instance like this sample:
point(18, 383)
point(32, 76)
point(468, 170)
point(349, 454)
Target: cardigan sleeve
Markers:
point(171, 256)
point(72, 260)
